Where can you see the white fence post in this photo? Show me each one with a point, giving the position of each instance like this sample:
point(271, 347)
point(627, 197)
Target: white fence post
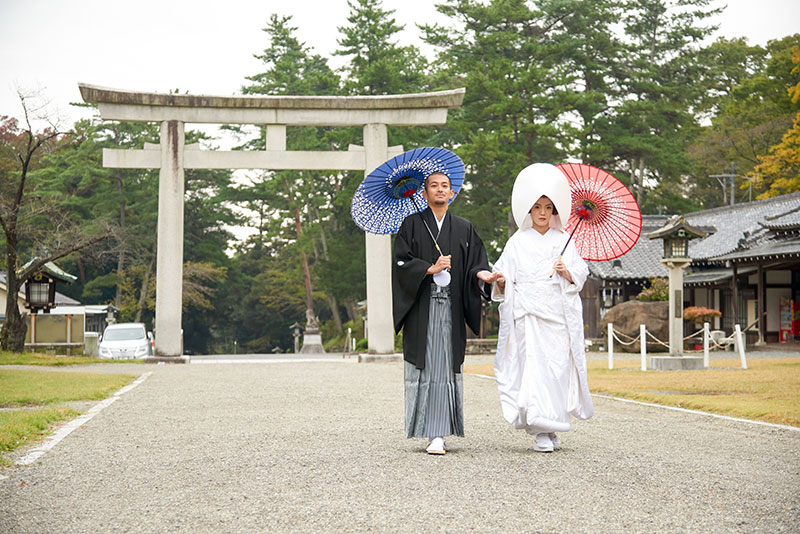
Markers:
point(610, 346)
point(706, 336)
point(643, 345)
point(740, 344)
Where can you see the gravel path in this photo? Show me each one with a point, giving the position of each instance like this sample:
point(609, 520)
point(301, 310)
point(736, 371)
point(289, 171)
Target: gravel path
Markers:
point(310, 447)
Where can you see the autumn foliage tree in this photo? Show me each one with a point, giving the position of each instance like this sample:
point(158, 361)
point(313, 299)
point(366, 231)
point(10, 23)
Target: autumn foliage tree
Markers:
point(781, 167)
point(33, 225)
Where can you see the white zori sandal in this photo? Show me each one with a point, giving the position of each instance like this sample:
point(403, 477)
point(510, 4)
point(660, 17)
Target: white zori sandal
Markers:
point(543, 443)
point(436, 446)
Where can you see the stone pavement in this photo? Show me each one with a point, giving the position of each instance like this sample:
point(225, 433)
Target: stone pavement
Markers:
point(318, 447)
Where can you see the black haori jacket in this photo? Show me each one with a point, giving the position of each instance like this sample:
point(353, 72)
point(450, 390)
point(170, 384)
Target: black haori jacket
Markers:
point(414, 252)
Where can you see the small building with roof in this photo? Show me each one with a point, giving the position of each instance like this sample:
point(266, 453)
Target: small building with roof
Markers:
point(64, 326)
point(747, 266)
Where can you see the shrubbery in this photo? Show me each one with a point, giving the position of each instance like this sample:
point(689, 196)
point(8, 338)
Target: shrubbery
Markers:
point(700, 314)
point(658, 291)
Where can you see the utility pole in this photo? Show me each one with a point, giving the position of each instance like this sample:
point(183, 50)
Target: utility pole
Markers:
point(732, 176)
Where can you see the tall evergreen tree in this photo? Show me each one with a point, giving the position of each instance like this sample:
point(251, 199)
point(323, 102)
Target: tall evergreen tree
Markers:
point(291, 205)
point(377, 65)
point(505, 54)
point(752, 114)
point(655, 120)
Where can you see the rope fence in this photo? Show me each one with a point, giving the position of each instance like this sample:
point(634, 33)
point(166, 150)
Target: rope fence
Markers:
point(709, 343)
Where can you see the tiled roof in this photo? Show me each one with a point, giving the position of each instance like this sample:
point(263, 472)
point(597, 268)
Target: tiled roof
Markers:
point(53, 270)
point(730, 228)
point(736, 224)
point(766, 247)
point(676, 224)
point(641, 261)
point(784, 221)
point(712, 276)
point(64, 300)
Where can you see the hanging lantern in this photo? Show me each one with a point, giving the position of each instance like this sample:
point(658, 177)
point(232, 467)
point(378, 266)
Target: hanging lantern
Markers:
point(40, 289)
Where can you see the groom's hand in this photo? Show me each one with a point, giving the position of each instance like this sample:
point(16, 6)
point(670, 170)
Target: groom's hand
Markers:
point(485, 276)
point(441, 264)
point(489, 278)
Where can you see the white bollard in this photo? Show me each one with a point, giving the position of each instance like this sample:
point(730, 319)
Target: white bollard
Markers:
point(643, 345)
point(740, 343)
point(706, 337)
point(610, 346)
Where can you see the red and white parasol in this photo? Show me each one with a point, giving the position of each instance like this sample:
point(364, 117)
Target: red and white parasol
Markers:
point(605, 218)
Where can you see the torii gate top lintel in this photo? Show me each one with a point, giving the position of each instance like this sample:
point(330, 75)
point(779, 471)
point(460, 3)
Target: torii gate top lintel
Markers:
point(401, 110)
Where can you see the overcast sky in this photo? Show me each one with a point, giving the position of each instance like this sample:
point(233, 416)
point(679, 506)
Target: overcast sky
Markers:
point(207, 47)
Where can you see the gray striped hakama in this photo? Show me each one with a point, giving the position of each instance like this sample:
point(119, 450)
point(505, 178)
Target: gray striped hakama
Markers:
point(434, 395)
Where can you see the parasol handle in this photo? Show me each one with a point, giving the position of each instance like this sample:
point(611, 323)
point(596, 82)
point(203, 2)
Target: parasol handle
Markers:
point(419, 212)
point(580, 218)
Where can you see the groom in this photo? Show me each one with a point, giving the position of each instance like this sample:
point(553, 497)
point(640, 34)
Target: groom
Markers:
point(433, 311)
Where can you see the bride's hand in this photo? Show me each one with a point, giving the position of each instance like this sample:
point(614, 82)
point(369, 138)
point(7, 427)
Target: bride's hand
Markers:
point(561, 269)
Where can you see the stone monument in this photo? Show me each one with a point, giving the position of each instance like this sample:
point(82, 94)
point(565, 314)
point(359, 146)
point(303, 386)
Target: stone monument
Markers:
point(312, 340)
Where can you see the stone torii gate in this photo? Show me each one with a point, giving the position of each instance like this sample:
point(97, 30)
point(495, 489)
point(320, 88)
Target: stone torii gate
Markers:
point(172, 156)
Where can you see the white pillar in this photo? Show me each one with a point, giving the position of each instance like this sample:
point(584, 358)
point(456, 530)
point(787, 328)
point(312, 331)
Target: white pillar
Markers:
point(740, 345)
point(706, 339)
point(276, 137)
point(380, 327)
point(169, 265)
point(643, 346)
point(675, 305)
point(610, 346)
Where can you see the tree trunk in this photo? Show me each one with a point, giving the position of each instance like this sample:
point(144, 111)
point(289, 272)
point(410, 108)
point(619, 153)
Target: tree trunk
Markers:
point(143, 293)
point(351, 305)
point(637, 178)
point(81, 270)
point(306, 271)
point(12, 335)
point(335, 312)
point(323, 239)
point(121, 256)
point(307, 279)
point(332, 302)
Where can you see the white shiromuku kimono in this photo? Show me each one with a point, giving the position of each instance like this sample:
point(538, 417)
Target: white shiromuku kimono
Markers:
point(540, 365)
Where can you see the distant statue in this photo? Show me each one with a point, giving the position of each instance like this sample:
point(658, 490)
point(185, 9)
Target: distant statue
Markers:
point(312, 323)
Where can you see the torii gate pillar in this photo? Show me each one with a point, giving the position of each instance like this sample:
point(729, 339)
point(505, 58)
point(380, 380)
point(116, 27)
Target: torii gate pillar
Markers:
point(169, 255)
point(380, 324)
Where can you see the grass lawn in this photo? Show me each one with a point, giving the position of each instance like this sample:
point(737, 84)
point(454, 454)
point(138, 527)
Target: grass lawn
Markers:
point(32, 358)
point(768, 391)
point(22, 427)
point(38, 388)
point(46, 391)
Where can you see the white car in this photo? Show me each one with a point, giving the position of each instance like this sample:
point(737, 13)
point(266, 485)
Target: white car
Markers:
point(126, 341)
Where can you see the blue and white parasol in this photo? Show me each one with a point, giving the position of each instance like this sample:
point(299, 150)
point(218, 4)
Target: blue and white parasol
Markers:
point(393, 191)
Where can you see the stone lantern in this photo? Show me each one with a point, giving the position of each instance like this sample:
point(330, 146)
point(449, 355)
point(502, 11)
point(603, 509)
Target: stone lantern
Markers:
point(296, 328)
point(676, 235)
